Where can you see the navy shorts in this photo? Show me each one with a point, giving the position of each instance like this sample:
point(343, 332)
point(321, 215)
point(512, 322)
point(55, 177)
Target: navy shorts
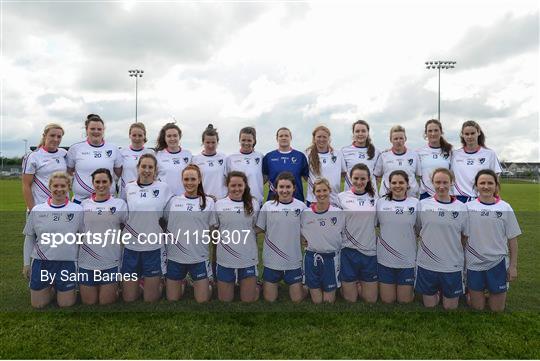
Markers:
point(424, 195)
point(58, 274)
point(356, 266)
point(232, 275)
point(290, 277)
point(429, 282)
point(143, 263)
point(321, 270)
point(89, 277)
point(178, 271)
point(395, 276)
point(464, 199)
point(493, 279)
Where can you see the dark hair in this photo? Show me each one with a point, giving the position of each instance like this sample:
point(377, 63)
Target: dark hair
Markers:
point(200, 189)
point(92, 118)
point(151, 156)
point(161, 143)
point(491, 173)
point(445, 146)
point(283, 128)
point(210, 131)
point(247, 199)
point(400, 172)
point(369, 185)
point(100, 171)
point(249, 130)
point(283, 176)
point(369, 144)
point(481, 135)
point(313, 156)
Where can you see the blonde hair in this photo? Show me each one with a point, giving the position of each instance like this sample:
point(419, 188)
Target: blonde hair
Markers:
point(320, 181)
point(395, 129)
point(46, 131)
point(60, 175)
point(313, 157)
point(140, 126)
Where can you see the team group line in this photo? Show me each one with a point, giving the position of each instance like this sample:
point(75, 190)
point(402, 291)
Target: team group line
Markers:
point(434, 236)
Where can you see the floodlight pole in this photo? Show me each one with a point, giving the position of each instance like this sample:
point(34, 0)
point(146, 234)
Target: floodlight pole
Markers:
point(440, 64)
point(137, 73)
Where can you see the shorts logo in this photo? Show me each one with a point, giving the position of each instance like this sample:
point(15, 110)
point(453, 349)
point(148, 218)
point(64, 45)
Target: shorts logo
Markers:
point(455, 214)
point(109, 153)
point(220, 162)
point(334, 158)
point(186, 160)
point(482, 160)
point(257, 160)
point(333, 220)
point(411, 161)
point(156, 193)
point(297, 212)
point(411, 210)
point(499, 214)
point(113, 210)
point(70, 216)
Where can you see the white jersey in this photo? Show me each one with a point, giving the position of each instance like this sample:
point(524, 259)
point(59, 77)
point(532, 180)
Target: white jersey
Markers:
point(42, 163)
point(360, 221)
point(190, 226)
point(390, 161)
point(396, 246)
point(354, 155)
point(332, 165)
point(85, 158)
point(100, 219)
point(323, 230)
point(44, 220)
point(214, 171)
point(170, 167)
point(238, 242)
point(442, 225)
point(130, 158)
point(251, 165)
point(490, 228)
point(281, 224)
point(146, 204)
point(466, 165)
point(431, 159)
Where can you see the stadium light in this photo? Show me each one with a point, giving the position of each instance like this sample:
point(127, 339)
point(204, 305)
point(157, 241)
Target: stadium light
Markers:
point(136, 73)
point(440, 64)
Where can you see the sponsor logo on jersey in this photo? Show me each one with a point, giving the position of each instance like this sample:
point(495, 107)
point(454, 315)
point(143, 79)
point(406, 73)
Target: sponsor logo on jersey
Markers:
point(109, 153)
point(498, 214)
point(333, 220)
point(455, 214)
point(410, 161)
point(113, 210)
point(70, 216)
point(482, 160)
point(156, 193)
point(411, 210)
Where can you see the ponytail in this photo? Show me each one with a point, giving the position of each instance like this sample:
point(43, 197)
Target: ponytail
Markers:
point(369, 185)
point(445, 146)
point(247, 199)
point(369, 144)
point(200, 189)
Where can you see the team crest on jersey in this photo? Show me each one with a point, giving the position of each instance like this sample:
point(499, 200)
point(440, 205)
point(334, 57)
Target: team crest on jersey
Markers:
point(70, 216)
point(293, 160)
point(186, 160)
point(445, 156)
point(482, 160)
point(411, 161)
point(113, 210)
point(109, 153)
point(333, 220)
point(156, 193)
point(334, 158)
point(498, 214)
point(455, 214)
point(361, 155)
point(57, 161)
point(372, 202)
point(257, 160)
point(220, 162)
point(297, 212)
point(411, 210)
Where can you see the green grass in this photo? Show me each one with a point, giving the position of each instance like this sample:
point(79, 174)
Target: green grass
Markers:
point(261, 330)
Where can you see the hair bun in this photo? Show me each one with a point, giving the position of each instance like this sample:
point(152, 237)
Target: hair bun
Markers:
point(210, 126)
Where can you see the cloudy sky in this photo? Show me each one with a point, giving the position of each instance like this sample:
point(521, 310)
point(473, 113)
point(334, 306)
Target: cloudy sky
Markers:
point(268, 65)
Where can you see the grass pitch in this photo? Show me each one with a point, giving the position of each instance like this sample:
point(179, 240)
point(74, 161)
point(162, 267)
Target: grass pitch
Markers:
point(261, 330)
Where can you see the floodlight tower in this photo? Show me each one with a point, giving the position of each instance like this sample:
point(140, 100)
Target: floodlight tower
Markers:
point(440, 64)
point(137, 73)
